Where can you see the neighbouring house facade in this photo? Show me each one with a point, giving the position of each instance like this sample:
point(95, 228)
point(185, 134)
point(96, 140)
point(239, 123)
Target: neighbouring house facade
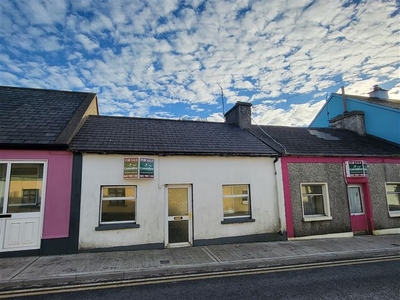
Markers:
point(154, 183)
point(336, 182)
point(36, 189)
point(380, 114)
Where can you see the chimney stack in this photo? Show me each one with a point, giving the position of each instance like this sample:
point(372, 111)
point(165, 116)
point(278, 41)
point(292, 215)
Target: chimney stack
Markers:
point(240, 115)
point(353, 120)
point(378, 92)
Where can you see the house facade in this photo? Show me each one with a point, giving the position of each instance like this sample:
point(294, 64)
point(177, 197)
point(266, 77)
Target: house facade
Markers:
point(381, 114)
point(36, 189)
point(323, 199)
point(336, 182)
point(153, 183)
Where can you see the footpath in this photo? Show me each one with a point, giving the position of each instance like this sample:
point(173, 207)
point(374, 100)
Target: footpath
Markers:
point(43, 271)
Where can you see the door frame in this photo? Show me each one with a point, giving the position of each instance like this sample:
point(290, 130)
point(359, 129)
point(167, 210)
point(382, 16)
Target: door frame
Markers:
point(189, 217)
point(29, 217)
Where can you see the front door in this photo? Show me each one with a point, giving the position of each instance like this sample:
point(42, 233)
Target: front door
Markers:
point(179, 218)
point(21, 202)
point(358, 216)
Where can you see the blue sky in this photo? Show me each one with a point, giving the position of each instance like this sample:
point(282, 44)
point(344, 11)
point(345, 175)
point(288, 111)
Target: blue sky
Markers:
point(169, 58)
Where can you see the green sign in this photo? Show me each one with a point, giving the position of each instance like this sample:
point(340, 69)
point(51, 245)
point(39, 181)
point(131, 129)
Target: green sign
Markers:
point(146, 168)
point(356, 168)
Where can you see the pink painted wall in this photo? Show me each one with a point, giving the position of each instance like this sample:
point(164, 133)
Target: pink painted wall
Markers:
point(58, 188)
point(299, 159)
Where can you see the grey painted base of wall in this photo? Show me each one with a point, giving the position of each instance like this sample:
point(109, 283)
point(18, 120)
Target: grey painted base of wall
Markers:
point(55, 247)
point(126, 248)
point(48, 247)
point(20, 253)
point(266, 237)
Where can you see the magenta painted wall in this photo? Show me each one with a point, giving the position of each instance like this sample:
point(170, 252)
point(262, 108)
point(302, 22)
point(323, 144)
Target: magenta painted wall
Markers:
point(58, 188)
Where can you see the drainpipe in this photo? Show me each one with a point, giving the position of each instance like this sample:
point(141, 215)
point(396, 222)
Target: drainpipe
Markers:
point(280, 198)
point(344, 98)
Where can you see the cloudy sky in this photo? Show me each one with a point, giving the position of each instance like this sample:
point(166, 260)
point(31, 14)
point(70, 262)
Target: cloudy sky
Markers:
point(170, 59)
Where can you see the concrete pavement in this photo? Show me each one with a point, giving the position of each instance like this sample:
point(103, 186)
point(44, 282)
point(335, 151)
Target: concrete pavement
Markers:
point(21, 272)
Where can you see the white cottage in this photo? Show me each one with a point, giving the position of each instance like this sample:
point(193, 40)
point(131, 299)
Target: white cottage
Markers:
point(155, 183)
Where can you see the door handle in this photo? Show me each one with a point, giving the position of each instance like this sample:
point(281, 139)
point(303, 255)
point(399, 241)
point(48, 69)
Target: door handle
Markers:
point(3, 216)
point(178, 218)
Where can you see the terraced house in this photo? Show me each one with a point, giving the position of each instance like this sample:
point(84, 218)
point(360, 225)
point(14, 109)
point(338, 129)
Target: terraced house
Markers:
point(72, 180)
point(36, 190)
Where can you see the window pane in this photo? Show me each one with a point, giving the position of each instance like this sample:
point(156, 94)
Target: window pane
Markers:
point(25, 192)
point(239, 189)
point(236, 206)
point(313, 205)
point(178, 201)
point(114, 211)
point(125, 191)
point(394, 202)
point(311, 189)
point(393, 188)
point(3, 173)
point(355, 200)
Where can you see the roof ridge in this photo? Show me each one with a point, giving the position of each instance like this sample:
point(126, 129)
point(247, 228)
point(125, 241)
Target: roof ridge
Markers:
point(45, 90)
point(158, 119)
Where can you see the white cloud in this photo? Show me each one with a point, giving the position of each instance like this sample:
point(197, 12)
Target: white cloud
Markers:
point(145, 55)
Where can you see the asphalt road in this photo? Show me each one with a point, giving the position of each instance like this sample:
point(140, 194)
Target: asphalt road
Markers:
point(372, 280)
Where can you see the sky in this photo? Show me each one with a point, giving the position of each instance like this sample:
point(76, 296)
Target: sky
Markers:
point(194, 60)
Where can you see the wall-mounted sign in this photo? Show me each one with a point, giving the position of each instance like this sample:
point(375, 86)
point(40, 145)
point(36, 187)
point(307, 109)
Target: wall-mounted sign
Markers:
point(138, 167)
point(356, 168)
point(146, 168)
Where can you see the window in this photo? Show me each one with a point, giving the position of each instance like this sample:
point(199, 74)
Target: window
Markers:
point(118, 204)
point(21, 187)
point(393, 198)
point(315, 202)
point(236, 201)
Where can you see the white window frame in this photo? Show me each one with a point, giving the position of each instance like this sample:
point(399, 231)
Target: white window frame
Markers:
point(391, 213)
point(237, 196)
point(9, 164)
point(325, 196)
point(117, 199)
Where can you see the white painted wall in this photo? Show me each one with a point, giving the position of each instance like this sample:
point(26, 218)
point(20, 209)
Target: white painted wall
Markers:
point(205, 174)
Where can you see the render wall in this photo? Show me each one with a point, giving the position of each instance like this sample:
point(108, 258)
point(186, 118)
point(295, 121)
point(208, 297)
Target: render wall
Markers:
point(381, 173)
point(205, 174)
point(329, 173)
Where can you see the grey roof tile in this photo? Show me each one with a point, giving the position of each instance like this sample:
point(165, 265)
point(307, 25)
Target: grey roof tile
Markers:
point(323, 142)
point(102, 134)
point(38, 116)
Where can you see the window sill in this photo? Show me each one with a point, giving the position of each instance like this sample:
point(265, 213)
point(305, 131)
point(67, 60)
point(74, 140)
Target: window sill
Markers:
point(237, 220)
point(394, 214)
point(116, 226)
point(317, 218)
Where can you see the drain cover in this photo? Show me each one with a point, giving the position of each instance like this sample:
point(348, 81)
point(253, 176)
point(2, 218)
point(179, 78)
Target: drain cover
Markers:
point(163, 262)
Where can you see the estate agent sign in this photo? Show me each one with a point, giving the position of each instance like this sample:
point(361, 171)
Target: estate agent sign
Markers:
point(356, 168)
point(138, 167)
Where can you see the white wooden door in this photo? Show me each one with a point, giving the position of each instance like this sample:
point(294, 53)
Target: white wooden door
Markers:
point(22, 189)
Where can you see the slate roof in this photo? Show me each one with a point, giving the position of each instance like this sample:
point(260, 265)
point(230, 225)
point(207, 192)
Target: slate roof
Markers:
point(38, 118)
point(106, 134)
point(391, 103)
point(306, 141)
